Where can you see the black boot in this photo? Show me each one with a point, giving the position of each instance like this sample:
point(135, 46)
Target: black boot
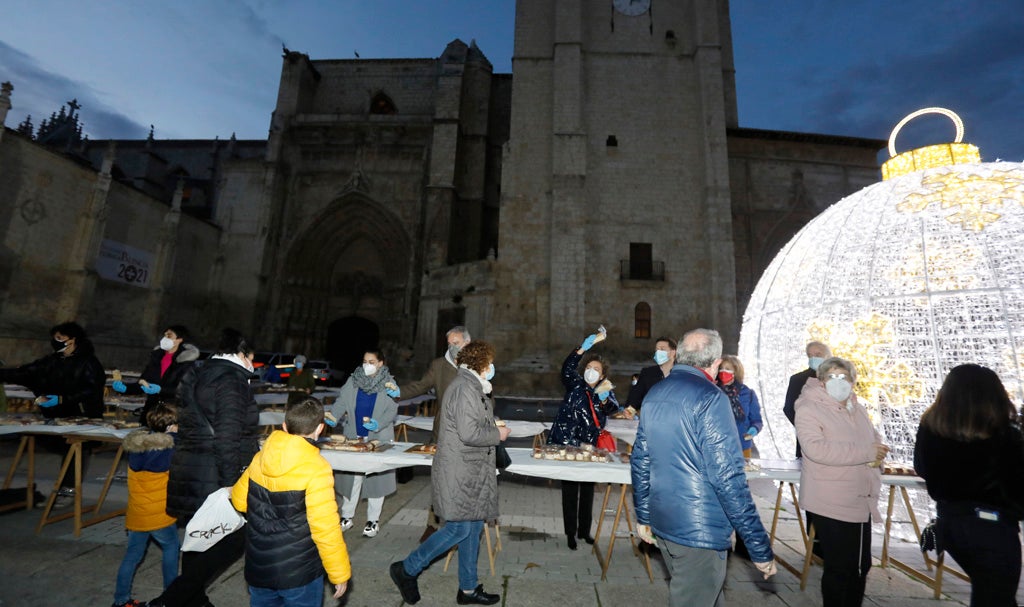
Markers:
point(585, 537)
point(571, 541)
point(477, 597)
point(406, 583)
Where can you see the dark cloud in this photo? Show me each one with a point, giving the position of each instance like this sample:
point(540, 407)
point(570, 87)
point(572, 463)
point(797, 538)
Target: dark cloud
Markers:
point(39, 92)
point(976, 73)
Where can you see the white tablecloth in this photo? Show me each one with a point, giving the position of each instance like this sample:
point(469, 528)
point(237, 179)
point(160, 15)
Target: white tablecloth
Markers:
point(280, 398)
point(623, 429)
point(517, 428)
point(82, 430)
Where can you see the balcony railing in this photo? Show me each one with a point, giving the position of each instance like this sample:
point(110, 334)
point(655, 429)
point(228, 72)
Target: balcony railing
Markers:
point(631, 269)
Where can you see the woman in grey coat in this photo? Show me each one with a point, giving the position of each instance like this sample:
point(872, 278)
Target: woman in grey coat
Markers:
point(463, 479)
point(363, 409)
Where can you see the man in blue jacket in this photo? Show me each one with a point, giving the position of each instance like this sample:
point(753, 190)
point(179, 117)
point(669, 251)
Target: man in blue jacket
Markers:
point(689, 488)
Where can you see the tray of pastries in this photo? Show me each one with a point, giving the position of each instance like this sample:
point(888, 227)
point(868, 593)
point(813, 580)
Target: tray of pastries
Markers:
point(340, 443)
point(568, 453)
point(24, 419)
point(898, 469)
point(422, 449)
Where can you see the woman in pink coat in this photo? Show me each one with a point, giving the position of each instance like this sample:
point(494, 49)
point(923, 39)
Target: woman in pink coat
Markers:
point(840, 479)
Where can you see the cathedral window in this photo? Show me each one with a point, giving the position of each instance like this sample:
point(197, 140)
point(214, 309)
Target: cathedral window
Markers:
point(642, 320)
point(382, 104)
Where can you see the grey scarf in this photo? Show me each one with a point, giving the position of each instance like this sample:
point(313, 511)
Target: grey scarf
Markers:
point(373, 384)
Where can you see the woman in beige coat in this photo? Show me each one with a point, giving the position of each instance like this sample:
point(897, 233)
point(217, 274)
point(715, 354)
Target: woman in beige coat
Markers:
point(840, 479)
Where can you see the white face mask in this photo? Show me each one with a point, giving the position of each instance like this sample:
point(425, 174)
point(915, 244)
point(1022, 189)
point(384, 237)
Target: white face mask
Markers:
point(247, 363)
point(591, 376)
point(838, 389)
point(166, 344)
point(489, 374)
point(369, 369)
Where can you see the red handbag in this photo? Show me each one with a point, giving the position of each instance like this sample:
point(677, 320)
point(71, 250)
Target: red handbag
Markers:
point(605, 440)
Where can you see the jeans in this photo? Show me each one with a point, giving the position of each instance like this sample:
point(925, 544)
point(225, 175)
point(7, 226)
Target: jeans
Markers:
point(167, 539)
point(989, 552)
point(465, 534)
point(310, 595)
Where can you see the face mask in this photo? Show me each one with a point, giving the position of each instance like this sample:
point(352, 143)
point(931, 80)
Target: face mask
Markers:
point(298, 366)
point(453, 350)
point(814, 362)
point(490, 373)
point(660, 357)
point(369, 369)
point(838, 389)
point(166, 344)
point(591, 376)
point(633, 382)
point(248, 364)
point(725, 377)
point(57, 345)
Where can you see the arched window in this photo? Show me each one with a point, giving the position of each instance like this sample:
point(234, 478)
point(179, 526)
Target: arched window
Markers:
point(642, 320)
point(382, 104)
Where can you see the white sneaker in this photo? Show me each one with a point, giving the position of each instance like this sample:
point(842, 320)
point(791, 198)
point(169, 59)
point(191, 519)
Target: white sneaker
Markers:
point(346, 524)
point(371, 529)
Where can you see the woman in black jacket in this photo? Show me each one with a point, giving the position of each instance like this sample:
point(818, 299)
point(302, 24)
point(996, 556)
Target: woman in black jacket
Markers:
point(580, 419)
point(218, 425)
point(970, 452)
point(70, 381)
point(168, 363)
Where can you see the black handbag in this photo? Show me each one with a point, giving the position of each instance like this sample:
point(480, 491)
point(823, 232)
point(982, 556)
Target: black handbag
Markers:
point(501, 458)
point(929, 540)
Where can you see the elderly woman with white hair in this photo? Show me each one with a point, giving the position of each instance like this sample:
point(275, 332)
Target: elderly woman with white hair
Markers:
point(840, 479)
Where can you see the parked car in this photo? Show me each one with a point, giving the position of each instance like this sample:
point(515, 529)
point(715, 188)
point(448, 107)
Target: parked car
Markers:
point(273, 367)
point(321, 370)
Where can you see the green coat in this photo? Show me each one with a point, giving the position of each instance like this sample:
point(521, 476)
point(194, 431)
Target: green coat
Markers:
point(300, 381)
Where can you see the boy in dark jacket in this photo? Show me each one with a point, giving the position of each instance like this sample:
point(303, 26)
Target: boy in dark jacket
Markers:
point(149, 459)
point(293, 532)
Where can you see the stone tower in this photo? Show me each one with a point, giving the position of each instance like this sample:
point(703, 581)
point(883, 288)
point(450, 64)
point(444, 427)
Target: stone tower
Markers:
point(615, 203)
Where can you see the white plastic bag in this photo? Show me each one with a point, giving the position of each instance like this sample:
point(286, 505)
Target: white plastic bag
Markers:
point(215, 519)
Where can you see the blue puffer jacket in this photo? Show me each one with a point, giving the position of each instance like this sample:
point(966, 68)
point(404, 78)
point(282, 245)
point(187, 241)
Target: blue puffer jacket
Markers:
point(688, 479)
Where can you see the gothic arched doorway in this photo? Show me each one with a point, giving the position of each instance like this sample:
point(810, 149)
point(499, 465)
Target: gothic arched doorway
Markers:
point(348, 339)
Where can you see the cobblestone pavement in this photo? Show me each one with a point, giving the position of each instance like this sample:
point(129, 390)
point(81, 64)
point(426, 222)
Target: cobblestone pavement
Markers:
point(534, 566)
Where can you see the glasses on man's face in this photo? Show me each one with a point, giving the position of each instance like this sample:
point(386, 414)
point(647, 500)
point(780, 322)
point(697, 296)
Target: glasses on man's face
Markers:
point(838, 376)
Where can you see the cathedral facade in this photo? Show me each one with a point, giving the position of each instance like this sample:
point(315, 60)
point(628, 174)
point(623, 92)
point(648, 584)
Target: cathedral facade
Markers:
point(606, 181)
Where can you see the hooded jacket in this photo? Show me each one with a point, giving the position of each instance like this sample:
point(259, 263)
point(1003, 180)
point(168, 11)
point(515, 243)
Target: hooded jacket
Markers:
point(218, 424)
point(184, 358)
point(574, 423)
point(77, 379)
point(293, 531)
point(687, 468)
point(837, 443)
point(149, 459)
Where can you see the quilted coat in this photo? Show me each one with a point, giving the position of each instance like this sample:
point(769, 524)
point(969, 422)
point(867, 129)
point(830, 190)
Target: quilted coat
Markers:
point(837, 444)
point(463, 479)
point(574, 423)
point(687, 468)
point(293, 532)
point(218, 425)
point(149, 459)
point(183, 360)
point(77, 379)
point(384, 411)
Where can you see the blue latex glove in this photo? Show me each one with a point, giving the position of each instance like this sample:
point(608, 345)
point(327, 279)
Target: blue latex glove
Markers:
point(752, 432)
point(151, 388)
point(588, 343)
point(394, 392)
point(118, 386)
point(603, 395)
point(371, 425)
point(51, 401)
point(330, 421)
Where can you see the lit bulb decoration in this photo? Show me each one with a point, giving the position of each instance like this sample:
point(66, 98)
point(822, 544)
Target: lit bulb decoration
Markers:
point(906, 278)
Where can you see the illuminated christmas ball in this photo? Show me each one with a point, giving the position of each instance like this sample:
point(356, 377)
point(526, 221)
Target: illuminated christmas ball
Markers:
point(907, 278)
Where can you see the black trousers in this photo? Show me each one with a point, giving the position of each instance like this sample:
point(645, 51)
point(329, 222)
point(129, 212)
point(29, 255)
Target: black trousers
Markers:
point(198, 569)
point(988, 552)
point(577, 507)
point(846, 548)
